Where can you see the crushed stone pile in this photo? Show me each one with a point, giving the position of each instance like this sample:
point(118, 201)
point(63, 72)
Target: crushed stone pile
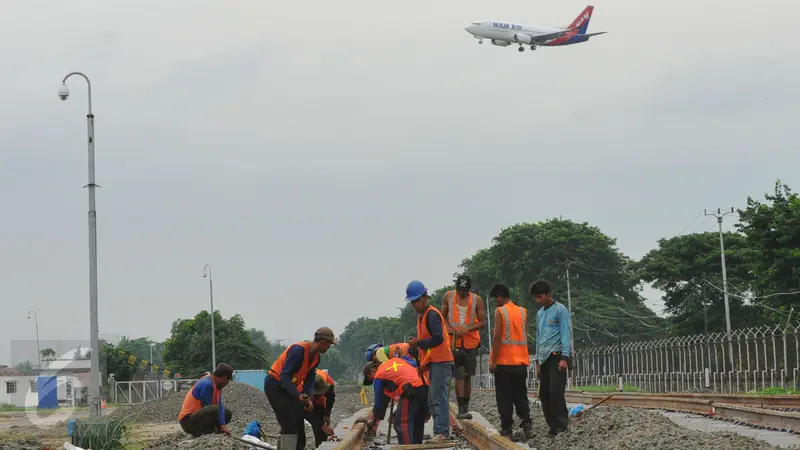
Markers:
point(617, 428)
point(245, 402)
point(22, 444)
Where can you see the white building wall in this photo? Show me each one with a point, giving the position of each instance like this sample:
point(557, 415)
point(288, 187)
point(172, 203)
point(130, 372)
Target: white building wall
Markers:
point(23, 396)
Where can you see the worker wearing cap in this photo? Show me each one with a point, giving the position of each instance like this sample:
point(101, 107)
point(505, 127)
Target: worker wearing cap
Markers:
point(380, 353)
point(509, 361)
point(466, 315)
point(398, 379)
point(435, 356)
point(323, 399)
point(202, 411)
point(296, 365)
point(553, 339)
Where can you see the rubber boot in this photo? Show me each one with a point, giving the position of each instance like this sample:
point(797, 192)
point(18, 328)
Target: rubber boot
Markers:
point(287, 442)
point(528, 430)
point(463, 409)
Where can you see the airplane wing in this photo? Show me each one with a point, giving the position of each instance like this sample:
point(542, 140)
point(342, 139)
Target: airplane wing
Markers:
point(593, 34)
point(545, 38)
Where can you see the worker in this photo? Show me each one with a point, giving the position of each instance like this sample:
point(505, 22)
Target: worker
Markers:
point(202, 411)
point(398, 379)
point(509, 361)
point(432, 345)
point(553, 339)
point(296, 365)
point(381, 353)
point(323, 399)
point(466, 315)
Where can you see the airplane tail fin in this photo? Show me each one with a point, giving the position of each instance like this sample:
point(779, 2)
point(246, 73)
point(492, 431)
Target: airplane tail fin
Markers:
point(582, 21)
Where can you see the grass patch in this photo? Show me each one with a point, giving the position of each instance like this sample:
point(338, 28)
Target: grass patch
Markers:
point(609, 389)
point(775, 391)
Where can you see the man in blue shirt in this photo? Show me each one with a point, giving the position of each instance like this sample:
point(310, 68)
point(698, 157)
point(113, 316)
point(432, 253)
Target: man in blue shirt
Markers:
point(552, 355)
point(202, 411)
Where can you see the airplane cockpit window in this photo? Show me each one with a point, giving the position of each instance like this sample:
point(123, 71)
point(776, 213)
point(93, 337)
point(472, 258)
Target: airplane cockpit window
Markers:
point(477, 23)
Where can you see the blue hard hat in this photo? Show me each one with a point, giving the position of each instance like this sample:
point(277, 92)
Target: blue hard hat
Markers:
point(371, 351)
point(415, 290)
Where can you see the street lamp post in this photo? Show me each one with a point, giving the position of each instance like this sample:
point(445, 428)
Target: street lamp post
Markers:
point(38, 350)
point(94, 341)
point(207, 273)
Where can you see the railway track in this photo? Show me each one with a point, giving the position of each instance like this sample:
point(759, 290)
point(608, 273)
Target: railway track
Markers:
point(775, 413)
point(468, 434)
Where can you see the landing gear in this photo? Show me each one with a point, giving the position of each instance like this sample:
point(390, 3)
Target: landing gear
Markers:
point(533, 47)
point(480, 41)
point(521, 49)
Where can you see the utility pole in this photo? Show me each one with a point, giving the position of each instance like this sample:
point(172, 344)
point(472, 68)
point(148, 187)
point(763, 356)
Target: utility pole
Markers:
point(569, 307)
point(619, 353)
point(705, 310)
point(719, 215)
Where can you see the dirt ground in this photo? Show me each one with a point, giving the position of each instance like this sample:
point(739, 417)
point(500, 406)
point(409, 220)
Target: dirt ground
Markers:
point(154, 425)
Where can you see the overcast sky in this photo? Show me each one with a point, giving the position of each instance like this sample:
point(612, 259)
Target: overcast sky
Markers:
point(319, 155)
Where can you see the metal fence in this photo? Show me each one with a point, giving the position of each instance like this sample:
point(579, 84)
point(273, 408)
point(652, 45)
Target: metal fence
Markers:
point(132, 392)
point(752, 359)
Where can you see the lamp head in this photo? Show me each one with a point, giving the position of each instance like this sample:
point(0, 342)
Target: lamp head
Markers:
point(63, 92)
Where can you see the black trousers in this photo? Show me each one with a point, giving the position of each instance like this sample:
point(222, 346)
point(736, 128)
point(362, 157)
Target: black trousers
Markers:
point(551, 394)
point(511, 390)
point(317, 419)
point(204, 420)
point(289, 412)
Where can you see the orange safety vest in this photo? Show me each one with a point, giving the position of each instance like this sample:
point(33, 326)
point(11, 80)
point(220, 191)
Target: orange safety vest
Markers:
point(513, 350)
point(299, 376)
point(191, 404)
point(440, 353)
point(473, 338)
point(398, 350)
point(319, 399)
point(399, 372)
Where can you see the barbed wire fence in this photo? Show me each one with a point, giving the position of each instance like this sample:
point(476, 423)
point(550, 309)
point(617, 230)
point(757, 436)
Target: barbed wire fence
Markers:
point(753, 359)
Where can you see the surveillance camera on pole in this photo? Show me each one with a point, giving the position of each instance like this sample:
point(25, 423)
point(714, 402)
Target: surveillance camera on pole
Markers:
point(63, 92)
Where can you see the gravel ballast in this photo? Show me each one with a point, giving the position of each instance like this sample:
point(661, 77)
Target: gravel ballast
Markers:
point(245, 402)
point(617, 428)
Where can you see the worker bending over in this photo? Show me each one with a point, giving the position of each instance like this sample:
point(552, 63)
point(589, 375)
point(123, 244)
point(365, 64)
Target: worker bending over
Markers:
point(380, 353)
point(553, 339)
point(323, 399)
point(296, 365)
point(466, 315)
point(398, 379)
point(202, 411)
point(435, 357)
point(509, 361)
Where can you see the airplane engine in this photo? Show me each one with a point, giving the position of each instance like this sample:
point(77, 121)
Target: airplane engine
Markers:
point(522, 38)
point(500, 43)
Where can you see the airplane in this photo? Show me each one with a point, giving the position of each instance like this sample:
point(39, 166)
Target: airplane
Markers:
point(504, 34)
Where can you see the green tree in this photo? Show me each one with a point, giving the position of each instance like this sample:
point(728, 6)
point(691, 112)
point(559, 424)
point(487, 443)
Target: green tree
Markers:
point(48, 354)
point(773, 228)
point(113, 363)
point(271, 349)
point(141, 348)
point(603, 284)
point(26, 368)
point(188, 350)
point(688, 269)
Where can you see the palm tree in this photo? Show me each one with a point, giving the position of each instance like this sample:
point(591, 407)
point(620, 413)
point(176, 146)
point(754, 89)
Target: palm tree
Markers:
point(48, 354)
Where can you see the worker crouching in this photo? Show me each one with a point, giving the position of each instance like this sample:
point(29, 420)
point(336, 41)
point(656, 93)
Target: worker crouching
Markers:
point(323, 399)
point(202, 411)
point(398, 380)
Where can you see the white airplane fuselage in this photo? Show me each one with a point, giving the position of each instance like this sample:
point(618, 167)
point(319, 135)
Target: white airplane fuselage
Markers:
point(503, 34)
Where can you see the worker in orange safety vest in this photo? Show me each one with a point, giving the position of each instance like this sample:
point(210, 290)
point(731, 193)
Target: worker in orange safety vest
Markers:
point(509, 361)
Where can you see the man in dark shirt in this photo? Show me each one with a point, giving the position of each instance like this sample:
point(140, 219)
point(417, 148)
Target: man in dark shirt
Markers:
point(435, 356)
